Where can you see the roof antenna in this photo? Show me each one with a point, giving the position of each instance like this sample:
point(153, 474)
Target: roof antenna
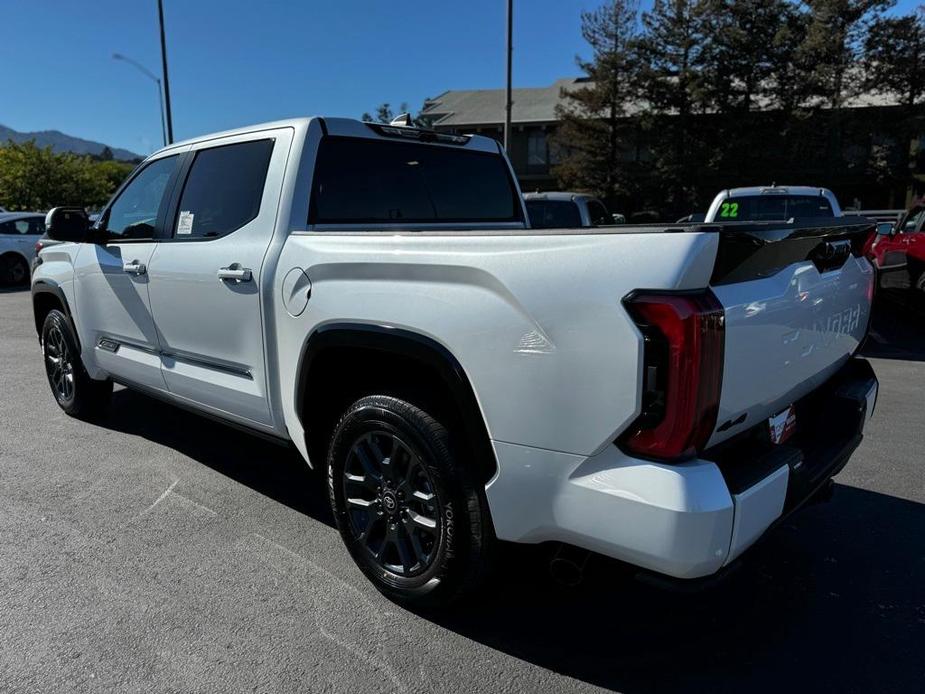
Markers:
point(403, 119)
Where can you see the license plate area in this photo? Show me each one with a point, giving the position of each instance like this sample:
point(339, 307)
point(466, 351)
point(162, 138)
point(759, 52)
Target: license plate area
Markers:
point(782, 425)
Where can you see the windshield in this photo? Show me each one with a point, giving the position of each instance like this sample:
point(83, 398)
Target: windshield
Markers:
point(754, 208)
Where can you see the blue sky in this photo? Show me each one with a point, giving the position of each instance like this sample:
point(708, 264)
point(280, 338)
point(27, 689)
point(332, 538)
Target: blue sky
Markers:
point(234, 63)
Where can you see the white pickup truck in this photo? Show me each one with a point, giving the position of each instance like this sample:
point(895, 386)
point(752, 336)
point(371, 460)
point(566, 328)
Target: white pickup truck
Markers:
point(374, 295)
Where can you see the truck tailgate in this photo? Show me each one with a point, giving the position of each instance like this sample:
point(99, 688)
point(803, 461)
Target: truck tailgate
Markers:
point(797, 306)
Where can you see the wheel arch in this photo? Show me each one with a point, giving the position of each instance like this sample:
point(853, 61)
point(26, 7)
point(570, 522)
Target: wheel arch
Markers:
point(46, 296)
point(391, 345)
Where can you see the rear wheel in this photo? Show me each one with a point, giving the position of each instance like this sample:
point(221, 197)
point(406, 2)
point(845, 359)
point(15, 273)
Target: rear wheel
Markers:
point(407, 511)
point(14, 270)
point(75, 392)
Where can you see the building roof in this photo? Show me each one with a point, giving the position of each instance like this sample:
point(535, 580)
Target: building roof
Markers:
point(471, 107)
point(486, 106)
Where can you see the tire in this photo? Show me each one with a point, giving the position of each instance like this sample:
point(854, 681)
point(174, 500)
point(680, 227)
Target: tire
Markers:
point(14, 270)
point(414, 522)
point(75, 392)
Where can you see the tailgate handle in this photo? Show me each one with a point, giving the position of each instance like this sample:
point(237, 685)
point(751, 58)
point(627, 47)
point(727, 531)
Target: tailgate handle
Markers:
point(831, 254)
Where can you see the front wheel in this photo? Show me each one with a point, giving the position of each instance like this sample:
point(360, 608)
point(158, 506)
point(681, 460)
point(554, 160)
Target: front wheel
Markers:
point(75, 392)
point(407, 511)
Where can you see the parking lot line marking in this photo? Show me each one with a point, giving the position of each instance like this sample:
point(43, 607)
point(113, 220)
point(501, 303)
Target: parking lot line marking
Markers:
point(160, 498)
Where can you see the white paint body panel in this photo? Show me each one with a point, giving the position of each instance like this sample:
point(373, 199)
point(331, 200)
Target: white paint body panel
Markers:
point(756, 508)
point(114, 304)
point(674, 519)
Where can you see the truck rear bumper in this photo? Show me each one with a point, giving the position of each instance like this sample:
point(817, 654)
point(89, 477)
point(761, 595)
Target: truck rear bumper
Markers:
point(684, 520)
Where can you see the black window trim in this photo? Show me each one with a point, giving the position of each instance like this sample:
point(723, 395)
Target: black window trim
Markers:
point(186, 165)
point(354, 226)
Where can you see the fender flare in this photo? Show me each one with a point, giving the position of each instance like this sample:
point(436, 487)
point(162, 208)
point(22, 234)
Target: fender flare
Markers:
point(46, 287)
point(407, 343)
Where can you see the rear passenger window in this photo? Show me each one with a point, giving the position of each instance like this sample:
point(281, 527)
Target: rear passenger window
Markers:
point(223, 189)
point(365, 181)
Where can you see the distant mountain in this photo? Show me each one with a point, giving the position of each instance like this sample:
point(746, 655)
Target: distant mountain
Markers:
point(64, 143)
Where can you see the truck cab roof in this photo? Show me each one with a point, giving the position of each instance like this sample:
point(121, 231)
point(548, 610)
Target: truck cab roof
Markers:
point(349, 127)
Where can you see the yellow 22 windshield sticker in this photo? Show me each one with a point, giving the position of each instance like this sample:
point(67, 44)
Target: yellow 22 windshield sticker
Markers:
point(729, 210)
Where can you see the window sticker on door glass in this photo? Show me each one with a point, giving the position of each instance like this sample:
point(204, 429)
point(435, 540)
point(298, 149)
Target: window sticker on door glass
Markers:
point(185, 223)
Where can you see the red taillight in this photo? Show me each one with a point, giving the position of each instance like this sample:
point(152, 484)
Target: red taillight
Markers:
point(38, 246)
point(682, 374)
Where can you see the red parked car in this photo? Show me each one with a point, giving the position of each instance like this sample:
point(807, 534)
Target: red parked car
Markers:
point(899, 252)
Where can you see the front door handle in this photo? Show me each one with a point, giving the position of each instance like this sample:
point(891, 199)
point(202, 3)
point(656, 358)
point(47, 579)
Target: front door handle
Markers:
point(235, 272)
point(134, 268)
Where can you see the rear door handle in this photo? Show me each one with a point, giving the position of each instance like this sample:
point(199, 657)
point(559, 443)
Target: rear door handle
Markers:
point(235, 272)
point(134, 268)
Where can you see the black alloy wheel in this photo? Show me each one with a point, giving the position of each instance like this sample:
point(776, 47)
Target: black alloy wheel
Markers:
point(75, 392)
point(59, 365)
point(410, 513)
point(393, 510)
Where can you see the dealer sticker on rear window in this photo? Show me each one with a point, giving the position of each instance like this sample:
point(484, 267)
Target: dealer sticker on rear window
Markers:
point(782, 425)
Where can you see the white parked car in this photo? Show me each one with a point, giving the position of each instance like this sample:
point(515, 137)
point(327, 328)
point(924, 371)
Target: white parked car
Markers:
point(19, 232)
point(373, 294)
point(773, 203)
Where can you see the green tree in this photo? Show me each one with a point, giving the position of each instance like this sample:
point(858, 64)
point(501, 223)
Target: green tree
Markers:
point(894, 57)
point(594, 130)
point(751, 85)
point(115, 172)
point(673, 57)
point(894, 63)
point(746, 43)
point(832, 48)
point(33, 178)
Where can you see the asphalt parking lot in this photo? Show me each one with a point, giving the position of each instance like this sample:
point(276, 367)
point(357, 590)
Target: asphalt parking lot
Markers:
point(158, 551)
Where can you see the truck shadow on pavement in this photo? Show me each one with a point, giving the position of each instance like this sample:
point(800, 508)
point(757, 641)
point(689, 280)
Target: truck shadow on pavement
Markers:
point(897, 330)
point(834, 599)
point(276, 471)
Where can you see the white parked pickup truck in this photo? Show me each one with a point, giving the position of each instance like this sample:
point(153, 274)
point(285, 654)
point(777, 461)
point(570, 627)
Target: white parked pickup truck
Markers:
point(772, 203)
point(374, 295)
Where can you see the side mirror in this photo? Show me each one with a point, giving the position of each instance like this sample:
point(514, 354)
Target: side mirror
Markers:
point(884, 228)
point(67, 224)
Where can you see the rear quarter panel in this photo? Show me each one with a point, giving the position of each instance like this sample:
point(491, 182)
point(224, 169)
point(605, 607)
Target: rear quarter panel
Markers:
point(535, 320)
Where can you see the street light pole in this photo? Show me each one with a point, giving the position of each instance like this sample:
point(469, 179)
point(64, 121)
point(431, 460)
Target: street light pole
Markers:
point(160, 19)
point(508, 103)
point(148, 73)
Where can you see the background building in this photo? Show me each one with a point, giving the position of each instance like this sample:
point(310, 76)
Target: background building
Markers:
point(533, 118)
point(871, 166)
